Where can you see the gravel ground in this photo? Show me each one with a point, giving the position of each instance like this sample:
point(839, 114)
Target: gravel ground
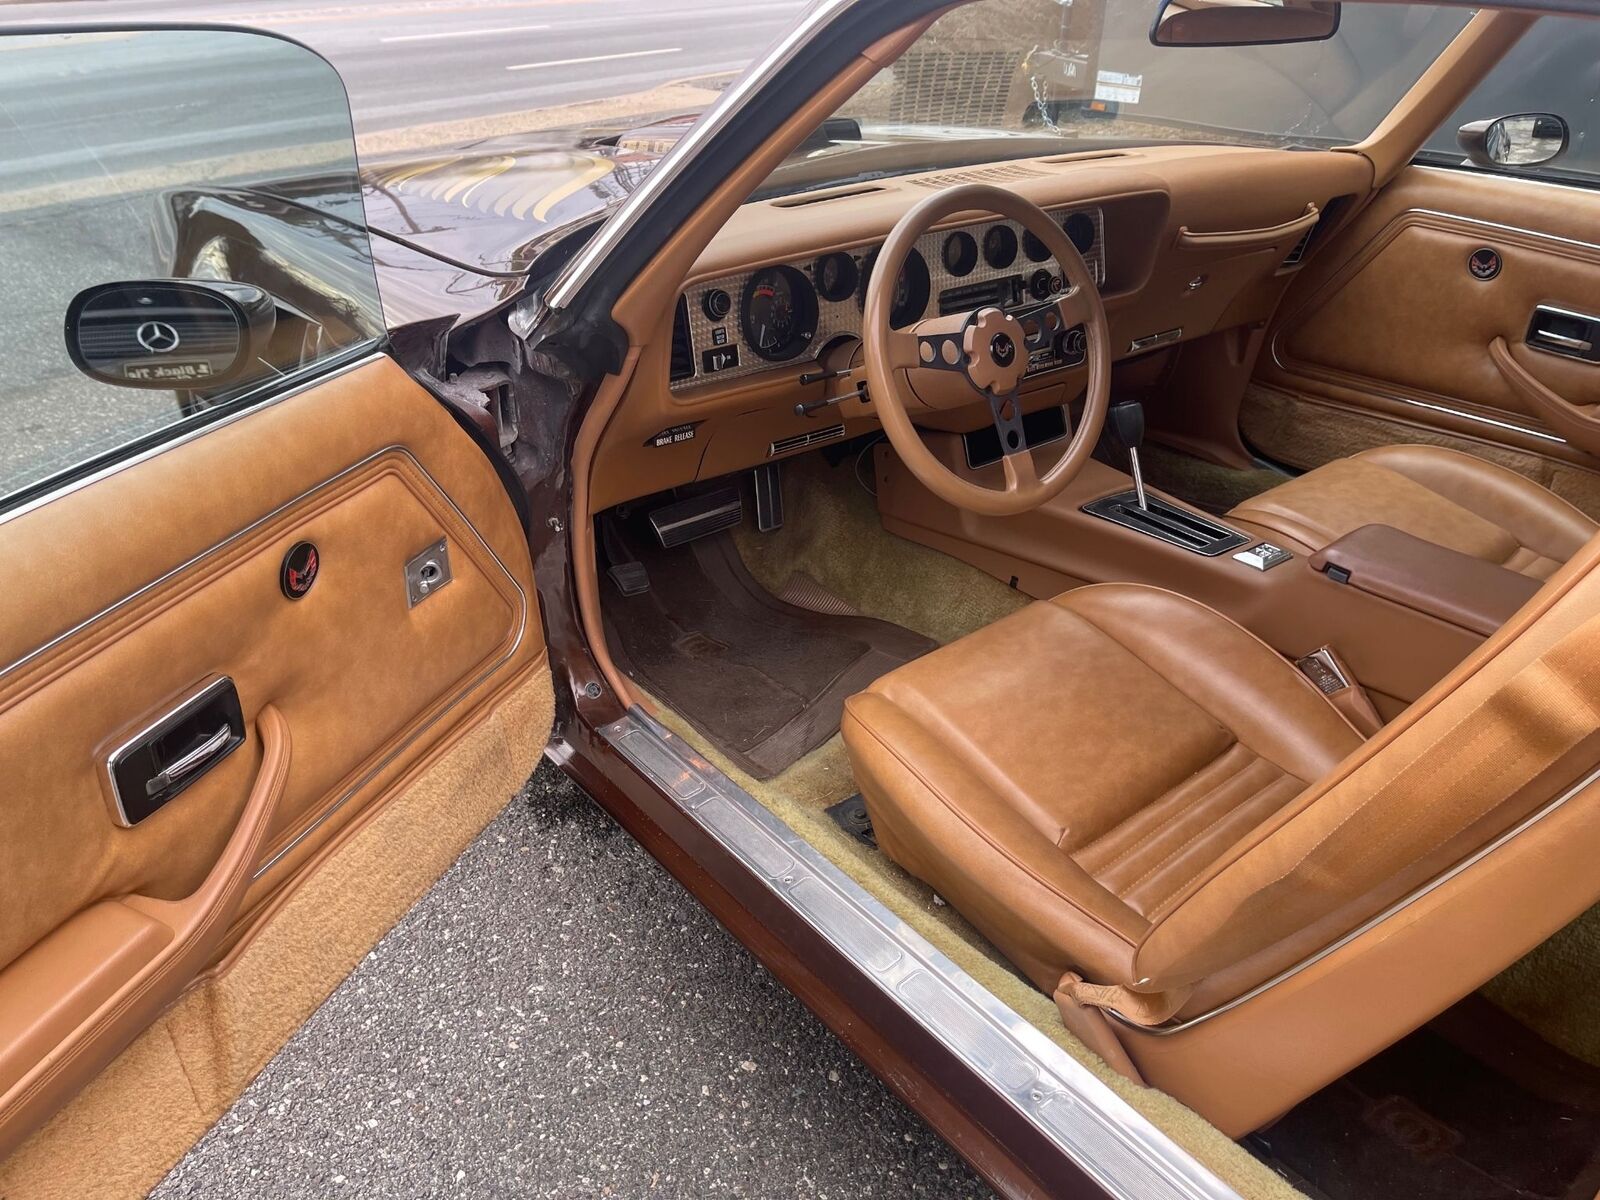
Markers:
point(557, 1017)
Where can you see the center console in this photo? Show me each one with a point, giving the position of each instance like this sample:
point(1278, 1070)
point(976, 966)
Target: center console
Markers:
point(1399, 613)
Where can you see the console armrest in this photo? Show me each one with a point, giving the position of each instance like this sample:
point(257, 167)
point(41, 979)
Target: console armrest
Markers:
point(1458, 588)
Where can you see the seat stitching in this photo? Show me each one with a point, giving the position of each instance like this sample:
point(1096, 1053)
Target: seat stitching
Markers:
point(1187, 808)
point(1221, 817)
point(939, 794)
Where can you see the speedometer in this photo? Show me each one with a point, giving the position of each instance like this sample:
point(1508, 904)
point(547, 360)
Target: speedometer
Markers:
point(779, 313)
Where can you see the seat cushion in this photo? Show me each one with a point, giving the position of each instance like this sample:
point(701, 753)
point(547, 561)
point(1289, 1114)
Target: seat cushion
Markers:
point(1062, 775)
point(1442, 496)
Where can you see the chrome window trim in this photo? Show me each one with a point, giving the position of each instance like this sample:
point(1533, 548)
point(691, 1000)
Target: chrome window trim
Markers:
point(1371, 923)
point(372, 353)
point(1114, 1144)
point(577, 273)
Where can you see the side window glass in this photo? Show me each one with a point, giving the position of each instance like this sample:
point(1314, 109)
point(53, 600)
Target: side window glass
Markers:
point(1548, 88)
point(181, 235)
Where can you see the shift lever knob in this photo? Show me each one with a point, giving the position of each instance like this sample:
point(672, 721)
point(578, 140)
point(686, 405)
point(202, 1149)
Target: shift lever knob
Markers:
point(1126, 422)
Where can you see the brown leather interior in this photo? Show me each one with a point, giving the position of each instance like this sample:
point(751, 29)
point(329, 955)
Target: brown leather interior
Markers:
point(1263, 829)
point(1450, 499)
point(1128, 788)
point(1459, 588)
point(342, 691)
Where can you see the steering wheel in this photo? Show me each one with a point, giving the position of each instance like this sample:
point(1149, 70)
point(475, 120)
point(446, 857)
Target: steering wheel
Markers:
point(950, 362)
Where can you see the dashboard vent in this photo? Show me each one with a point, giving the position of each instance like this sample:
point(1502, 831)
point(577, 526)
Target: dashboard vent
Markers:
point(801, 440)
point(996, 174)
point(1299, 251)
point(682, 348)
point(1057, 160)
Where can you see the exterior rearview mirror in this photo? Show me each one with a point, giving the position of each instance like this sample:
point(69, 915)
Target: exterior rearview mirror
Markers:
point(1520, 140)
point(1243, 22)
point(170, 334)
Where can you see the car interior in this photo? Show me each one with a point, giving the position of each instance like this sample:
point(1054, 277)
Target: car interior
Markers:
point(1162, 573)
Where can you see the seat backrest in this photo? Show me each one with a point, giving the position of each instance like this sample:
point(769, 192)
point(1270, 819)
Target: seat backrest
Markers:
point(1514, 729)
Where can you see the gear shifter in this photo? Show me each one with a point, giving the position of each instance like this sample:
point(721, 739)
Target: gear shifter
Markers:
point(1126, 423)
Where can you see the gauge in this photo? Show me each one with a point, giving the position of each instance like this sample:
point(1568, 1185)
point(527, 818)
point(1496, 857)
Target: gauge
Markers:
point(837, 276)
point(1042, 286)
point(1033, 246)
point(1080, 230)
point(779, 314)
point(1000, 247)
point(960, 254)
point(911, 289)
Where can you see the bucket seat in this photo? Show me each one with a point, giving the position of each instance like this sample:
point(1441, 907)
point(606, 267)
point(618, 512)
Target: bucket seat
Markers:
point(1159, 821)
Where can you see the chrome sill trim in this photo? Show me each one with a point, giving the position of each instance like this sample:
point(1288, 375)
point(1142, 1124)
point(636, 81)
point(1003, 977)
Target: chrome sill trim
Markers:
point(1372, 923)
point(579, 271)
point(1114, 1144)
point(199, 430)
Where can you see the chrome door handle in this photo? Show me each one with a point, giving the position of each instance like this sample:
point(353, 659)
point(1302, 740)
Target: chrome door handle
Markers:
point(190, 762)
point(1580, 345)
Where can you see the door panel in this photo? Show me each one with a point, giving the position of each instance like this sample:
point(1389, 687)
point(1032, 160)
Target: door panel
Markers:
point(166, 574)
point(1390, 323)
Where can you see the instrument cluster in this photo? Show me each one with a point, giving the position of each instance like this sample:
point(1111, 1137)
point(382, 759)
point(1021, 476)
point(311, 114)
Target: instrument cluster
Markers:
point(743, 324)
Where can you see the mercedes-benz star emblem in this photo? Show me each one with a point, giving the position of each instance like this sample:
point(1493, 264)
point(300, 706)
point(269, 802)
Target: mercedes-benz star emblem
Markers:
point(157, 337)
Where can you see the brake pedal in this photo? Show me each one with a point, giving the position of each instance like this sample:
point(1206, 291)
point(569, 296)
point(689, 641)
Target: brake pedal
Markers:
point(631, 578)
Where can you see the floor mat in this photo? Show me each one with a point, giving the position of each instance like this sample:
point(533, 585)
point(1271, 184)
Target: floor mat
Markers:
point(1471, 1107)
point(765, 681)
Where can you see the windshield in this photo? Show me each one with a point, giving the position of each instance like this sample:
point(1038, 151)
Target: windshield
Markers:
point(1005, 79)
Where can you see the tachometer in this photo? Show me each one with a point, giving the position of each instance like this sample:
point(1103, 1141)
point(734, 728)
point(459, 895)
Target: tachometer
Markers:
point(779, 313)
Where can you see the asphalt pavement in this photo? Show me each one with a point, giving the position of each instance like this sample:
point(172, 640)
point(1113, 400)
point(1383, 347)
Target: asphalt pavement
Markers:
point(557, 1017)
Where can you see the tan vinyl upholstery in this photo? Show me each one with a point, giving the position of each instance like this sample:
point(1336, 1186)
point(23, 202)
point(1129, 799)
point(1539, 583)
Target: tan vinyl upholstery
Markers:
point(1153, 815)
point(1438, 495)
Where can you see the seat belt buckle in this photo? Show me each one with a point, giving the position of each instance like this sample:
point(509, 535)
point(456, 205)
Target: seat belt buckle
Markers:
point(1324, 670)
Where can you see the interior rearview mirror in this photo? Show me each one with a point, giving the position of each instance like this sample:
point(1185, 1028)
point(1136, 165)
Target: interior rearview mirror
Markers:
point(1243, 22)
point(172, 334)
point(1520, 140)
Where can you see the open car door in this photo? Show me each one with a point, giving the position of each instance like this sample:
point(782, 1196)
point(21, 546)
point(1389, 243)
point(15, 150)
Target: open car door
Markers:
point(270, 650)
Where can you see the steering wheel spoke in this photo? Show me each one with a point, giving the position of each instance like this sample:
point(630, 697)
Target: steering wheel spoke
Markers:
point(1007, 413)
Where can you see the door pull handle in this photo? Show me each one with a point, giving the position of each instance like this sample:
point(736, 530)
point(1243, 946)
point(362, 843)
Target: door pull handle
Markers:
point(1580, 345)
point(190, 762)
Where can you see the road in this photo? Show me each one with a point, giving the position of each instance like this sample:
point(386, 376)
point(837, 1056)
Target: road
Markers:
point(558, 1018)
point(432, 61)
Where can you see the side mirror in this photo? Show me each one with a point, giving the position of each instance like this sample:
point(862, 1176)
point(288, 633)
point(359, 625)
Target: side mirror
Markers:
point(1243, 22)
point(1522, 140)
point(169, 334)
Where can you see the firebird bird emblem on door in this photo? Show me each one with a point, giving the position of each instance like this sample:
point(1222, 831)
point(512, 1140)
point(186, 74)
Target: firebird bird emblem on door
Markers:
point(299, 570)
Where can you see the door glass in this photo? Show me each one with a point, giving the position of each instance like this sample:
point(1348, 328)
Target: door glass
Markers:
point(1554, 69)
point(210, 155)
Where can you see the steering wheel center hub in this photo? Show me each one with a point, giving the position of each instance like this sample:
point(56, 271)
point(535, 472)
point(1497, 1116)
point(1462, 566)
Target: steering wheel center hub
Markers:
point(994, 343)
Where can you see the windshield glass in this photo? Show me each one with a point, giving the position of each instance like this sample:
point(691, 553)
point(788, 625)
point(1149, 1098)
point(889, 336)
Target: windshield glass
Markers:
point(1005, 79)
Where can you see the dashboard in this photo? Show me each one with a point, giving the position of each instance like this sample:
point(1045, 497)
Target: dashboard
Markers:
point(791, 312)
